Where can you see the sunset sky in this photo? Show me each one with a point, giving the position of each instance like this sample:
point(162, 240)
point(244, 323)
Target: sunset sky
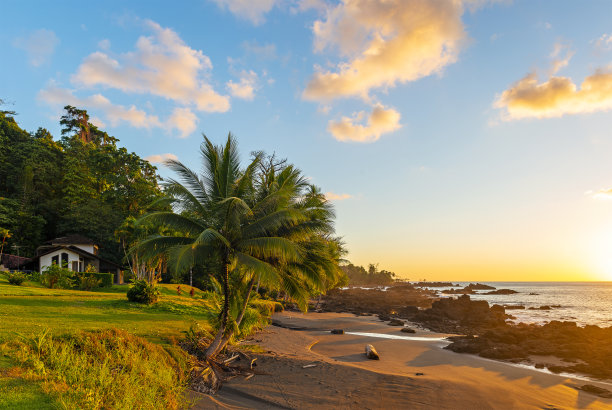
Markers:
point(459, 140)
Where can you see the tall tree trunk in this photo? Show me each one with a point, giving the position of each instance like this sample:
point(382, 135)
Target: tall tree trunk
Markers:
point(229, 334)
point(216, 346)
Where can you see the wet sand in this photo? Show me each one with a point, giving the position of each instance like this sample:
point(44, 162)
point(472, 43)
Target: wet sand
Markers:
point(343, 378)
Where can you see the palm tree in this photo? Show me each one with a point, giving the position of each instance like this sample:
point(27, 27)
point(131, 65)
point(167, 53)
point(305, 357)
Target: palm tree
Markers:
point(222, 215)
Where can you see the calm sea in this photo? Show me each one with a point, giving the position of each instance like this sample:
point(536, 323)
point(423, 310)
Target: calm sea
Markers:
point(581, 302)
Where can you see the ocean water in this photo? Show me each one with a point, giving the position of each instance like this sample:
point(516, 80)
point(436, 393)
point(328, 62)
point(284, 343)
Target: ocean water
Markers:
point(586, 303)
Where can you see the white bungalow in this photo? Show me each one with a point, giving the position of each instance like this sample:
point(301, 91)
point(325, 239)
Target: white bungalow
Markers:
point(76, 252)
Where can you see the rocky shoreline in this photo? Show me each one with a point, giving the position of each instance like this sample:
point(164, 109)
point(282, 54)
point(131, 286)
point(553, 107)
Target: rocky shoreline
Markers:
point(484, 329)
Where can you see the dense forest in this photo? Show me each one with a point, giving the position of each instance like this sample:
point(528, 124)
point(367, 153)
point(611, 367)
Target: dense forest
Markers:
point(359, 276)
point(82, 182)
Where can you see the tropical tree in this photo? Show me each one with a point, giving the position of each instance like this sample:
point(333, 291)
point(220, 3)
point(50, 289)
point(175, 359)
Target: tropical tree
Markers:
point(251, 226)
point(5, 233)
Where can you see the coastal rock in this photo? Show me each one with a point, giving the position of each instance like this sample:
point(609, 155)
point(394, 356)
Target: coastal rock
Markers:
point(502, 292)
point(452, 315)
point(587, 349)
point(514, 307)
point(435, 285)
point(371, 353)
point(396, 322)
point(545, 307)
point(599, 391)
point(337, 332)
point(407, 330)
point(479, 286)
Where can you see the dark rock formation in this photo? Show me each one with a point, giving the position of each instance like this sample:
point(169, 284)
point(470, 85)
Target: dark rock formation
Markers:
point(587, 349)
point(502, 292)
point(513, 307)
point(407, 330)
point(461, 315)
point(396, 322)
point(337, 331)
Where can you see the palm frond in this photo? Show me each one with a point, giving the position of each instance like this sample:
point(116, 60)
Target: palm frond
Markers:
point(272, 247)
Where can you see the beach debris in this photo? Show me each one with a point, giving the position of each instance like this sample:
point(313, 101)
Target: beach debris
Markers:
point(337, 332)
point(231, 359)
point(396, 322)
point(371, 353)
point(308, 366)
point(407, 330)
point(419, 374)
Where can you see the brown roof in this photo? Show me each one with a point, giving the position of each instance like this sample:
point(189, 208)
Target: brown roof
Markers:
point(71, 240)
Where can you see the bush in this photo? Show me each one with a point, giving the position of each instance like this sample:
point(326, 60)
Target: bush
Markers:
point(142, 291)
point(16, 278)
point(106, 279)
point(55, 276)
point(86, 281)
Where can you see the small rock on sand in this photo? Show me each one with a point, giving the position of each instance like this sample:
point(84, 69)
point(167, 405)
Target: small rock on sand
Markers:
point(396, 322)
point(371, 353)
point(337, 332)
point(407, 330)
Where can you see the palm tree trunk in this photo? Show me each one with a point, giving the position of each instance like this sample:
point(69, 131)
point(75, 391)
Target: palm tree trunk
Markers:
point(228, 336)
point(216, 346)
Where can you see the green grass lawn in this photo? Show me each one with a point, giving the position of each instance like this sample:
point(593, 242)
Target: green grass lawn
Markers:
point(30, 308)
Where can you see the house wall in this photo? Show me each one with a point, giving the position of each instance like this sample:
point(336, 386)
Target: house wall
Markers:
point(46, 260)
point(86, 248)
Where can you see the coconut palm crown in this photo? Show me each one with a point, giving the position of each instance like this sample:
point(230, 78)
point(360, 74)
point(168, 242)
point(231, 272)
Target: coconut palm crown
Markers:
point(268, 224)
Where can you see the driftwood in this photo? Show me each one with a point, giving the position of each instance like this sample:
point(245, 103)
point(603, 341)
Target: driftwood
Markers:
point(371, 353)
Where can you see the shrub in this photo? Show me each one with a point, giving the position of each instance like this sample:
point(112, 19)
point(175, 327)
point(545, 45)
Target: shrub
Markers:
point(142, 291)
point(106, 279)
point(16, 278)
point(55, 276)
point(86, 281)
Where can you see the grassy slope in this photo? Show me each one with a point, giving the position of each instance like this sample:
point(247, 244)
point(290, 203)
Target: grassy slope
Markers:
point(29, 308)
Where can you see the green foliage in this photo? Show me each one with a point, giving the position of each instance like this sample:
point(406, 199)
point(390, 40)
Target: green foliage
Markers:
point(16, 278)
point(82, 184)
point(262, 223)
point(87, 281)
point(359, 276)
point(56, 276)
point(106, 279)
point(142, 291)
point(105, 369)
point(90, 268)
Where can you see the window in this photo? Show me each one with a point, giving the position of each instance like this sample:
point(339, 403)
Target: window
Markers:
point(55, 260)
point(64, 259)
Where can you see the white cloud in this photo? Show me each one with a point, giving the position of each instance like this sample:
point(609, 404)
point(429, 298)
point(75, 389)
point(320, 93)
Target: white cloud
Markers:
point(114, 113)
point(252, 10)
point(104, 44)
point(161, 65)
point(604, 42)
point(160, 158)
point(380, 121)
point(337, 197)
point(184, 120)
point(97, 122)
point(559, 60)
point(39, 45)
point(385, 43)
point(245, 88)
point(556, 97)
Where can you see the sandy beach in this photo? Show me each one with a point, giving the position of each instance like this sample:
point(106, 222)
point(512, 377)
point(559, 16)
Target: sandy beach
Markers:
point(413, 372)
